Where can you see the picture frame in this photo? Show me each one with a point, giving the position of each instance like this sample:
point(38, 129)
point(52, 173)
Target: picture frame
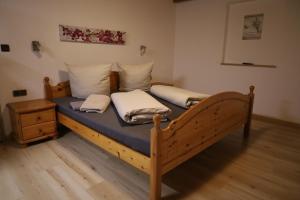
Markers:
point(91, 35)
point(253, 26)
point(247, 28)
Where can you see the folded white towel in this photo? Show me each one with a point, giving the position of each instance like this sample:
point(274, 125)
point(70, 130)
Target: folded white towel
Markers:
point(138, 107)
point(95, 103)
point(177, 96)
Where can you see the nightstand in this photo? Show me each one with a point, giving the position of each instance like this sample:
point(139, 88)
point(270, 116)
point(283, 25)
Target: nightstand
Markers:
point(32, 120)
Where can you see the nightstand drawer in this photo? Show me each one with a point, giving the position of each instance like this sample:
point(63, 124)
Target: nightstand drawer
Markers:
point(39, 130)
point(37, 117)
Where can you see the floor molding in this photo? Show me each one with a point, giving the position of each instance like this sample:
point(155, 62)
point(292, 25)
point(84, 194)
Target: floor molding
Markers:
point(275, 121)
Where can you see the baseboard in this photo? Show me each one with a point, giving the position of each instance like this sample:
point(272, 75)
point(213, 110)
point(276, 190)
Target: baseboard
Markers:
point(275, 121)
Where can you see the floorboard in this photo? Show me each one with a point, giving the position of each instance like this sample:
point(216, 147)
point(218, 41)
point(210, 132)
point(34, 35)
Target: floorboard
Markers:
point(267, 166)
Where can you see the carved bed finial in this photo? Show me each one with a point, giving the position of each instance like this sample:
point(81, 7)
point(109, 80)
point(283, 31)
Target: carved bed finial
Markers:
point(47, 80)
point(47, 86)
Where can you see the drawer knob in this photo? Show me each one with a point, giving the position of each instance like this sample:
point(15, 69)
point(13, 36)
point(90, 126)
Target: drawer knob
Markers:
point(38, 118)
point(40, 130)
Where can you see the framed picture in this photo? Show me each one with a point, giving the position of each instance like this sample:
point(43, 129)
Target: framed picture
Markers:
point(252, 28)
point(91, 35)
point(250, 33)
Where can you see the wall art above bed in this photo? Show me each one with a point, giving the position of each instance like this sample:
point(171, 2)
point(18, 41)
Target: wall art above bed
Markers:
point(91, 35)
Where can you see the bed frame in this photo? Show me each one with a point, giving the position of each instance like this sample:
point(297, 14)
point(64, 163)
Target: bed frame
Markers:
point(192, 132)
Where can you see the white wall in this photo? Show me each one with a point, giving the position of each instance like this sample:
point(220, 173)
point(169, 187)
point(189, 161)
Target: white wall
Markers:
point(147, 22)
point(199, 34)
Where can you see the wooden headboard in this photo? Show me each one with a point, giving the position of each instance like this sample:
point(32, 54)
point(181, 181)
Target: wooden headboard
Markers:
point(63, 89)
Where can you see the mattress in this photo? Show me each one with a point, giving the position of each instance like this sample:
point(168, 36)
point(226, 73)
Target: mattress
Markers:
point(109, 123)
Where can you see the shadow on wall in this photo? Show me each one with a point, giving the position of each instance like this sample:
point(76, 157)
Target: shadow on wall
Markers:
point(179, 81)
point(63, 75)
point(15, 75)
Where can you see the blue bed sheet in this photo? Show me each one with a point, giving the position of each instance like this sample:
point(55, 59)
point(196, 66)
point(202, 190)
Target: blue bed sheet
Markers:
point(109, 123)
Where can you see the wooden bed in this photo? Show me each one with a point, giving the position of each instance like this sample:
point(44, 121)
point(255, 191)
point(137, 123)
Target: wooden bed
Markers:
point(192, 132)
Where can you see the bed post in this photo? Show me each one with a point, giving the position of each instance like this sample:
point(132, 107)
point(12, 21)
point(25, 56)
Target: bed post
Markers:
point(47, 87)
point(249, 116)
point(155, 168)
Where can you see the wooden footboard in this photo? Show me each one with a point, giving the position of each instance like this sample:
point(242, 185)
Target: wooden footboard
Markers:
point(198, 128)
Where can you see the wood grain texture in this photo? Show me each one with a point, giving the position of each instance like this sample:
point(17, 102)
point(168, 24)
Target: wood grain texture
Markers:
point(16, 126)
point(32, 120)
point(124, 153)
point(156, 160)
point(30, 106)
point(114, 81)
point(62, 89)
point(267, 167)
point(201, 126)
point(29, 119)
point(247, 125)
point(47, 128)
point(196, 129)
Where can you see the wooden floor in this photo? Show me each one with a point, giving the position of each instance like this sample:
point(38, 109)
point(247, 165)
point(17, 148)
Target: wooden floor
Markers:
point(268, 167)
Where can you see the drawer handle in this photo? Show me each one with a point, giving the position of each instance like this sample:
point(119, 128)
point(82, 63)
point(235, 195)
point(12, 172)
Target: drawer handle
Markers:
point(38, 118)
point(41, 132)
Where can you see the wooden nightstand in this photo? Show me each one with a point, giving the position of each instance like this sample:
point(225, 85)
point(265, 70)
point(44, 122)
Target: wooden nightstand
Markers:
point(32, 120)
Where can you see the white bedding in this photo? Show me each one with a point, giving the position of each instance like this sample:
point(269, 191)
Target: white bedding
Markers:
point(95, 103)
point(87, 80)
point(138, 107)
point(177, 96)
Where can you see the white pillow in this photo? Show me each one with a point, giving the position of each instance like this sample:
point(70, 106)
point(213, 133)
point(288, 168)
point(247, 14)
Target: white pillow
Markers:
point(86, 80)
point(135, 77)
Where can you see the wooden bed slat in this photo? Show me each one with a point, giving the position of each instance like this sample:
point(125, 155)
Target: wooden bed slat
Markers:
point(130, 156)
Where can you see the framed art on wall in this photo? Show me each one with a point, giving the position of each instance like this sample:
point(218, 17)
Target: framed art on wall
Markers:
point(252, 29)
point(247, 38)
point(91, 35)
